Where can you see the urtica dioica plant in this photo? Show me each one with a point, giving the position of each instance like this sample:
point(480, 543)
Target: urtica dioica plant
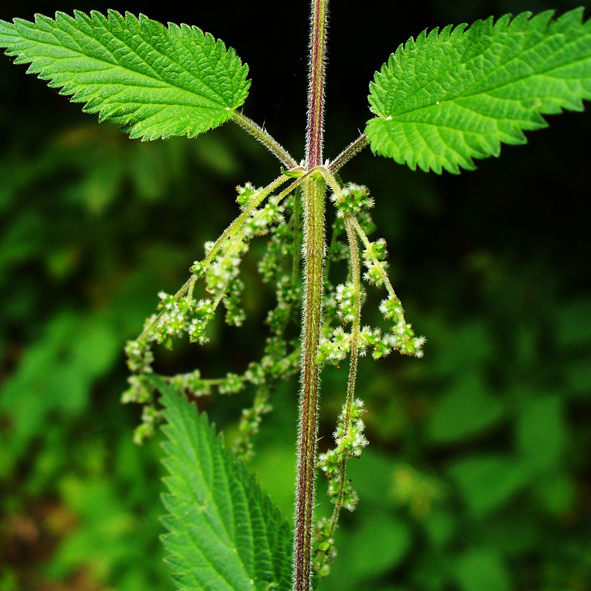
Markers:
point(439, 102)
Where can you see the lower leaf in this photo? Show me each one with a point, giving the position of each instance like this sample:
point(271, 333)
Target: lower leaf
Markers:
point(224, 533)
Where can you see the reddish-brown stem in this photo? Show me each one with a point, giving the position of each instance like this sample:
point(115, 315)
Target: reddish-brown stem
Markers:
point(315, 131)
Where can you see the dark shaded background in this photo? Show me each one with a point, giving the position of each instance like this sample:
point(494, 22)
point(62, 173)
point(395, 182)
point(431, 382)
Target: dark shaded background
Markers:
point(478, 474)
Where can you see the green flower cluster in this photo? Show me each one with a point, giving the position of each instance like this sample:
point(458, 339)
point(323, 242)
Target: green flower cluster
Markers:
point(279, 215)
point(281, 243)
point(246, 194)
point(220, 271)
point(287, 296)
point(350, 442)
point(374, 260)
point(341, 303)
point(352, 200)
point(325, 551)
point(334, 348)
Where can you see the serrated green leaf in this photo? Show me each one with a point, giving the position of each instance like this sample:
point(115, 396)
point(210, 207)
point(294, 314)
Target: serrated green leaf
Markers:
point(154, 81)
point(456, 94)
point(224, 533)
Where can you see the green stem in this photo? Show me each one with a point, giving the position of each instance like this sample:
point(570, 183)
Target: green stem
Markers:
point(265, 138)
point(356, 327)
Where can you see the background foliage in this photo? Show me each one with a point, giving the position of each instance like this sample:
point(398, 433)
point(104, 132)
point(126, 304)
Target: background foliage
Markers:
point(477, 477)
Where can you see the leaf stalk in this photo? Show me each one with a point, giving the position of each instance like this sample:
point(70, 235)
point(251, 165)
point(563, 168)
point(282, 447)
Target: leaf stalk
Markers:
point(263, 136)
point(349, 152)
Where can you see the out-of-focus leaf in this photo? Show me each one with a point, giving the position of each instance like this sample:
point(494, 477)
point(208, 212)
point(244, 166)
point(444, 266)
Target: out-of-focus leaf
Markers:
point(488, 481)
point(58, 371)
point(373, 477)
point(482, 570)
point(573, 324)
point(465, 346)
point(467, 410)
point(440, 527)
point(557, 493)
point(578, 376)
point(541, 433)
point(506, 534)
point(109, 533)
point(378, 544)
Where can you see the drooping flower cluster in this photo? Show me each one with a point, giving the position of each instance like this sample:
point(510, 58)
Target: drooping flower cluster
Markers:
point(374, 260)
point(343, 335)
point(287, 296)
point(245, 195)
point(340, 303)
point(336, 344)
point(178, 315)
point(350, 441)
point(182, 313)
point(217, 278)
point(334, 348)
point(250, 421)
point(345, 297)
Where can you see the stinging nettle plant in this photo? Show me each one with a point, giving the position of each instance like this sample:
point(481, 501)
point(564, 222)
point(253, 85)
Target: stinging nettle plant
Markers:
point(439, 102)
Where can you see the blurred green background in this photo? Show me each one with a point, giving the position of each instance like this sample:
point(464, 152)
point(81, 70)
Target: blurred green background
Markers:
point(478, 473)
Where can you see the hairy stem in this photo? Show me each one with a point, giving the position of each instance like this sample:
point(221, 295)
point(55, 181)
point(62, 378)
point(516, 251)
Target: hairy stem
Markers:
point(314, 246)
point(315, 132)
point(265, 138)
point(356, 328)
point(351, 150)
point(314, 193)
